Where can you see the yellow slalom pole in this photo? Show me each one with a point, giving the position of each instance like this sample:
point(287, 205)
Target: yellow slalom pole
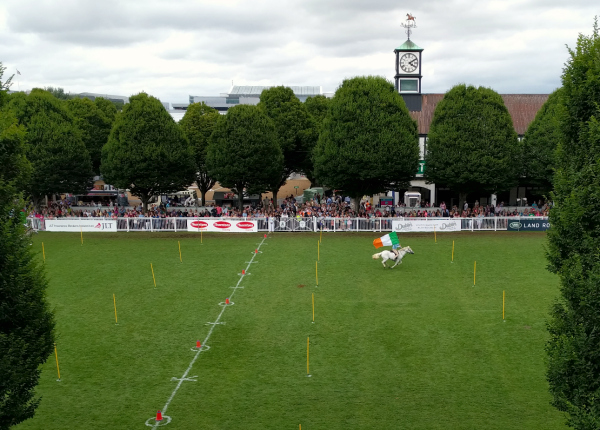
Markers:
point(153, 278)
point(57, 368)
point(474, 272)
point(503, 305)
point(115, 303)
point(307, 349)
point(317, 271)
point(434, 234)
point(313, 303)
point(453, 251)
point(44, 252)
point(318, 251)
point(179, 243)
point(81, 230)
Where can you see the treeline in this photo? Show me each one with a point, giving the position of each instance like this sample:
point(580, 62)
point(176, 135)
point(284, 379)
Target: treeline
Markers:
point(362, 141)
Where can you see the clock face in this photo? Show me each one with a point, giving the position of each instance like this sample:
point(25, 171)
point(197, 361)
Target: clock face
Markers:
point(409, 63)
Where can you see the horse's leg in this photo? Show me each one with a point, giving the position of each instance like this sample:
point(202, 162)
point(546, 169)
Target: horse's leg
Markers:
point(397, 261)
point(383, 260)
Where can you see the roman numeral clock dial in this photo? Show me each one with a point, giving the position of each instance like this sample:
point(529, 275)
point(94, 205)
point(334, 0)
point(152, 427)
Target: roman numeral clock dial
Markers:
point(409, 63)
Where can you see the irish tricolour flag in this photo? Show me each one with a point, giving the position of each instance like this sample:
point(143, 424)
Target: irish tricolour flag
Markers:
point(387, 240)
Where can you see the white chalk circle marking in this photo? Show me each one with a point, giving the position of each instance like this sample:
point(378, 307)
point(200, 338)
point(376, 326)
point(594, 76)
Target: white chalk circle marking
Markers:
point(151, 422)
point(226, 304)
point(202, 348)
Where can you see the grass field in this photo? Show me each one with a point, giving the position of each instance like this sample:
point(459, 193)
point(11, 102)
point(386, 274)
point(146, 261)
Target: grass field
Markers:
point(417, 347)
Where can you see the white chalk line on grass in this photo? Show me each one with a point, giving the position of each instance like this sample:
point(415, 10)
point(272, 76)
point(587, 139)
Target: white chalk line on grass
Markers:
point(166, 419)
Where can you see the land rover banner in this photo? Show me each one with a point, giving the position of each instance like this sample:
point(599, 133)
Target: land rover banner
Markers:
point(527, 224)
point(412, 225)
point(225, 225)
point(79, 225)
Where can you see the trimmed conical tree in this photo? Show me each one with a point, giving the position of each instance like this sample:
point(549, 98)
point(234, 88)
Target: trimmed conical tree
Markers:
point(147, 152)
point(26, 324)
point(472, 144)
point(574, 243)
point(368, 142)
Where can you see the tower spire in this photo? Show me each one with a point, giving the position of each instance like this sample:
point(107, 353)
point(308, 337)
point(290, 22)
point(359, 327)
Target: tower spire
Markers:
point(411, 22)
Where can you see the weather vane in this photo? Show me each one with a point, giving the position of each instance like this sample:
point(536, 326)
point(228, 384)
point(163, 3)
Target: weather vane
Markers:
point(411, 22)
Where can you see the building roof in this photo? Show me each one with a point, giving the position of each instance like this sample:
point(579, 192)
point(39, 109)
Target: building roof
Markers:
point(409, 45)
point(257, 90)
point(522, 108)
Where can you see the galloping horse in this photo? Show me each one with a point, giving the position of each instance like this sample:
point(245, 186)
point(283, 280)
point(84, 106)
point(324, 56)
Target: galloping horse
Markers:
point(389, 255)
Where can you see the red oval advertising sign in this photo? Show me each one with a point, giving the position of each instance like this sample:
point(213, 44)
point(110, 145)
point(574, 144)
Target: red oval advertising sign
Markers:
point(245, 224)
point(222, 224)
point(199, 224)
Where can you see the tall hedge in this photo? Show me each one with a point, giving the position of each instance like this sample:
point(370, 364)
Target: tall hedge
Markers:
point(574, 243)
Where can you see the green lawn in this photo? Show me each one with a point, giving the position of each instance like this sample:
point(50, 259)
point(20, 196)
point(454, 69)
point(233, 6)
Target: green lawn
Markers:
point(417, 347)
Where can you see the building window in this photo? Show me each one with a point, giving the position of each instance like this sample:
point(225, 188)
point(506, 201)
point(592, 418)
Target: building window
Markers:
point(232, 101)
point(411, 85)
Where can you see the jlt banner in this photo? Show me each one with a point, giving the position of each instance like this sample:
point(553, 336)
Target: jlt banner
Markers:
point(81, 225)
point(527, 224)
point(231, 226)
point(412, 225)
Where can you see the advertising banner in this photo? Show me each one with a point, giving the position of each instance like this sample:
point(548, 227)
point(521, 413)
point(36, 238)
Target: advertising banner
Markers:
point(415, 225)
point(225, 225)
point(527, 224)
point(78, 225)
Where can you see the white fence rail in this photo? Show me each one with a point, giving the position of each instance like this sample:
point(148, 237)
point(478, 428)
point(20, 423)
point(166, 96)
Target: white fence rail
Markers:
point(294, 224)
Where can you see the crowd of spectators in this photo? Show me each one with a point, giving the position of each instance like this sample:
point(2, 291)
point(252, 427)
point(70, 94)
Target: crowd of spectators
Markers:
point(335, 206)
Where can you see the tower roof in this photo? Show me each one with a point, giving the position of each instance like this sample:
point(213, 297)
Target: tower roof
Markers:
point(409, 45)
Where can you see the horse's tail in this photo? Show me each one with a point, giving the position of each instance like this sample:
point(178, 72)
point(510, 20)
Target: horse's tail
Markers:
point(376, 256)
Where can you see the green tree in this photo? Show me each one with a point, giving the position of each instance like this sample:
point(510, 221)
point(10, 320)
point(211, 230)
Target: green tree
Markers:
point(573, 349)
point(540, 143)
point(296, 133)
point(4, 85)
point(94, 125)
point(147, 151)
point(59, 93)
point(317, 107)
point(472, 144)
point(198, 124)
point(107, 107)
point(368, 142)
point(243, 153)
point(26, 324)
point(60, 160)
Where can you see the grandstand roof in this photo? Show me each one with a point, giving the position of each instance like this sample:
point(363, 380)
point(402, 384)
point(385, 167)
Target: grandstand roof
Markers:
point(253, 90)
point(522, 108)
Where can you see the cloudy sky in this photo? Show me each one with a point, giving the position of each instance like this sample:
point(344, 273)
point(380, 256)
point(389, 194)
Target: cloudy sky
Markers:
point(173, 49)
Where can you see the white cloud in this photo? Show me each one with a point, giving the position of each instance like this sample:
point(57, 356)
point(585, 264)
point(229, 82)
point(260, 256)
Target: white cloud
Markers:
point(172, 49)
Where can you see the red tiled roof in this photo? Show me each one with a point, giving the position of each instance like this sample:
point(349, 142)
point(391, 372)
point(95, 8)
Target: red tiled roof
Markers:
point(522, 109)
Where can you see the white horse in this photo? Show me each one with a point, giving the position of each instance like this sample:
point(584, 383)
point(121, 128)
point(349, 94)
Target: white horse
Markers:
point(389, 255)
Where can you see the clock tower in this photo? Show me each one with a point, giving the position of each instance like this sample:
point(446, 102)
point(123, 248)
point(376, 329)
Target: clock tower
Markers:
point(408, 62)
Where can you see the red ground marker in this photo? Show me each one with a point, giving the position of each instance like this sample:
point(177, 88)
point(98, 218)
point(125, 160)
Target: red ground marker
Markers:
point(198, 344)
point(243, 271)
point(256, 251)
point(226, 301)
point(265, 236)
point(159, 416)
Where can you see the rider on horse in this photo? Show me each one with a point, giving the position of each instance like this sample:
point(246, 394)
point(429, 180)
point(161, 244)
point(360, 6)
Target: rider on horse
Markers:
point(395, 249)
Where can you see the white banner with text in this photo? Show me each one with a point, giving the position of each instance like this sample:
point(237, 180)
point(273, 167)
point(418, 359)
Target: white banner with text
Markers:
point(78, 225)
point(410, 225)
point(231, 226)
